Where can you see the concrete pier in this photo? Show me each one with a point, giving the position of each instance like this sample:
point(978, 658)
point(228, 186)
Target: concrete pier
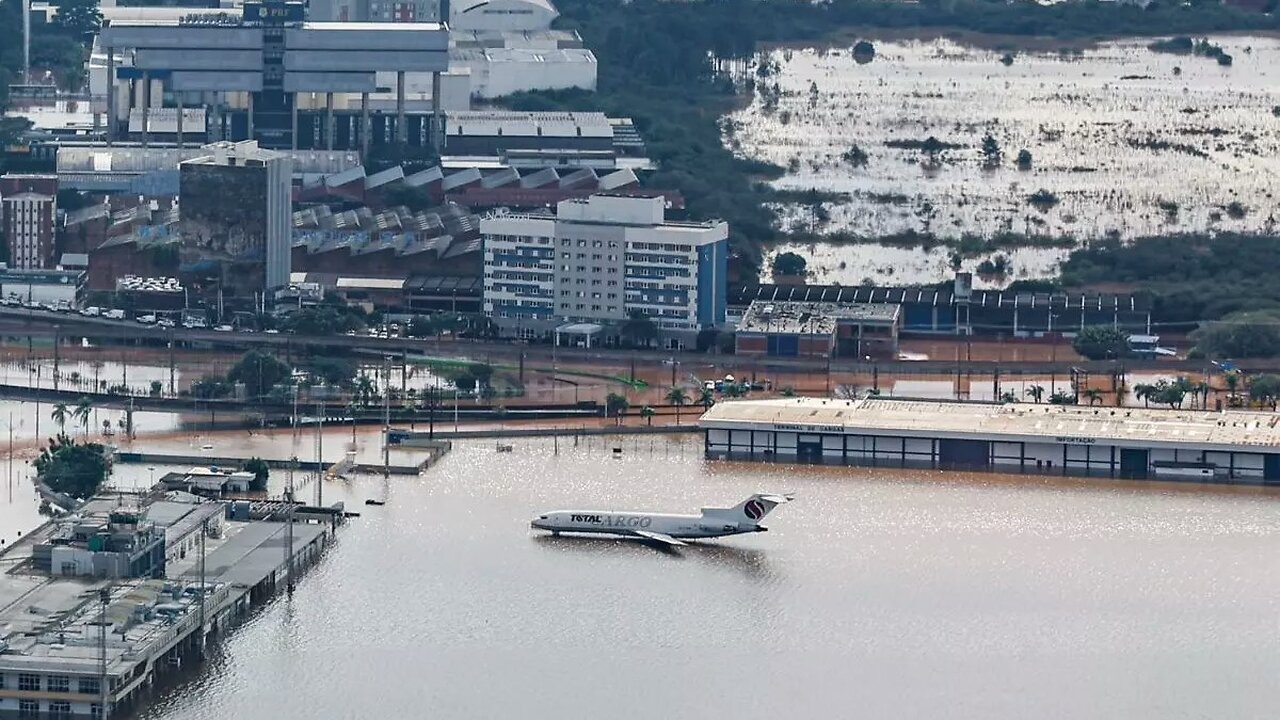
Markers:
point(76, 643)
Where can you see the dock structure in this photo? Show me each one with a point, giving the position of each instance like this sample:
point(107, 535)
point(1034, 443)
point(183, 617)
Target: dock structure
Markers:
point(1138, 443)
point(76, 644)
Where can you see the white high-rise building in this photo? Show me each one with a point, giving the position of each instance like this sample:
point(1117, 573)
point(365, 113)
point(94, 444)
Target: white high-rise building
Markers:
point(600, 259)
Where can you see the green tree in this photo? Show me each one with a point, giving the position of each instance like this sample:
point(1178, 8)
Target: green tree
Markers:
point(466, 382)
point(639, 329)
point(992, 155)
point(157, 388)
point(78, 19)
point(60, 414)
point(1265, 389)
point(335, 371)
point(82, 412)
point(616, 405)
point(1008, 396)
point(1240, 335)
point(707, 398)
point(365, 391)
point(1036, 393)
point(210, 387)
point(789, 264)
point(1144, 392)
point(1024, 159)
point(678, 397)
point(261, 472)
point(788, 391)
point(1062, 398)
point(1232, 380)
point(1093, 395)
point(259, 372)
point(74, 469)
point(482, 373)
point(647, 413)
point(1102, 342)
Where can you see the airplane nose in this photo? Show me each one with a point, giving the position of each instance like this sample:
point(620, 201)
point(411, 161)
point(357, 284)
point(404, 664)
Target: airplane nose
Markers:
point(536, 524)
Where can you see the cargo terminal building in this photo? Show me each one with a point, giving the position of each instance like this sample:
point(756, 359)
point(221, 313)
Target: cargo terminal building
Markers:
point(1134, 443)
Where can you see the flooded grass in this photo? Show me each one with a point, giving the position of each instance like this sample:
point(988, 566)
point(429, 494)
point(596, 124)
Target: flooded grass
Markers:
point(1123, 141)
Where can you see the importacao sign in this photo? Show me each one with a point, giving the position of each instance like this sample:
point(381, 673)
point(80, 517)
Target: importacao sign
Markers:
point(1070, 440)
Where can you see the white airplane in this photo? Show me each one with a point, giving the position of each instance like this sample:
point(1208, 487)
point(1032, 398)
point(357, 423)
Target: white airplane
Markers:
point(669, 529)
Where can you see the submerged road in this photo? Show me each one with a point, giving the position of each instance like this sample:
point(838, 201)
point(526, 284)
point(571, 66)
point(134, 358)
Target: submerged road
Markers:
point(23, 322)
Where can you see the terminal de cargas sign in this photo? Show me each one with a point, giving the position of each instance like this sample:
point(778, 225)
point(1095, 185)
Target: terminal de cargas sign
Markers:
point(809, 428)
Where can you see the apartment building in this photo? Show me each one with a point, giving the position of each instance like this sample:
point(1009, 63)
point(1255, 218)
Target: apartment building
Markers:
point(600, 259)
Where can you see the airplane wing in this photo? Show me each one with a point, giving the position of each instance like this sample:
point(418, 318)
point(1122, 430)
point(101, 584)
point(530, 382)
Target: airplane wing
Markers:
point(658, 537)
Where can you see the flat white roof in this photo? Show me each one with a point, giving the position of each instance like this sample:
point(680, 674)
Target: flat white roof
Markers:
point(1245, 431)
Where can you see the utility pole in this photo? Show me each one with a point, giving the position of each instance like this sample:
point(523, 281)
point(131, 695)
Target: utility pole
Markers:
point(56, 359)
point(319, 454)
point(204, 530)
point(288, 532)
point(386, 418)
point(172, 391)
point(104, 687)
point(9, 469)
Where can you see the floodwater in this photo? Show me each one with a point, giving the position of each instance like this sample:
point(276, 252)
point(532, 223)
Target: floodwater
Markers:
point(880, 594)
point(1120, 134)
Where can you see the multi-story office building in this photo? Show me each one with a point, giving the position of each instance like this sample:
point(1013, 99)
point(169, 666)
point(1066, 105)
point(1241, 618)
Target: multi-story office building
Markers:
point(236, 216)
point(600, 259)
point(254, 71)
point(28, 207)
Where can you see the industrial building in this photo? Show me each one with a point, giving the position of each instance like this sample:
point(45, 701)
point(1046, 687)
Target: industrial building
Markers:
point(235, 219)
point(958, 309)
point(816, 329)
point(255, 71)
point(28, 210)
point(1137, 443)
point(599, 259)
point(45, 287)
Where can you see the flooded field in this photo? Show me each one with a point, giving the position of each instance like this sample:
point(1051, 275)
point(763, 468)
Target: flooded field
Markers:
point(1124, 141)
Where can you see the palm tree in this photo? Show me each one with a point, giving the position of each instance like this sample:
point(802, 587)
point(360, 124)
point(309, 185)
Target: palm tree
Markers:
point(788, 391)
point(616, 405)
point(1232, 380)
point(1036, 393)
point(1008, 396)
point(60, 415)
point(647, 413)
point(1202, 389)
point(678, 397)
point(365, 390)
point(1145, 393)
point(707, 398)
point(83, 410)
point(1094, 395)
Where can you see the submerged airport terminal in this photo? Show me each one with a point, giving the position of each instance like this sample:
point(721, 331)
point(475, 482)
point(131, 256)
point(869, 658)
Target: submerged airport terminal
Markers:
point(1134, 443)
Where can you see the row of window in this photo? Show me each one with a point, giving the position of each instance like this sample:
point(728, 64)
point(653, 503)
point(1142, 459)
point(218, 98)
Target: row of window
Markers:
point(660, 259)
point(594, 308)
point(54, 683)
point(594, 256)
point(58, 710)
point(582, 294)
point(659, 246)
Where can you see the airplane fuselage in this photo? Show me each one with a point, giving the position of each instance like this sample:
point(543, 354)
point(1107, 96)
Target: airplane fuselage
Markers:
point(630, 523)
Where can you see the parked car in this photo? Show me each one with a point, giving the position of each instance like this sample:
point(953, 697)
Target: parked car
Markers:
point(91, 311)
point(224, 328)
point(146, 319)
point(114, 314)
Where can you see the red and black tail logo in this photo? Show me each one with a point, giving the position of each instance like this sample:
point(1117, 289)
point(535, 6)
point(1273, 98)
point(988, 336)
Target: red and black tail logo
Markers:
point(754, 509)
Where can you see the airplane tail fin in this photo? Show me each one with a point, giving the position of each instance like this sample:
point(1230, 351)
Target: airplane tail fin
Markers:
point(753, 509)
